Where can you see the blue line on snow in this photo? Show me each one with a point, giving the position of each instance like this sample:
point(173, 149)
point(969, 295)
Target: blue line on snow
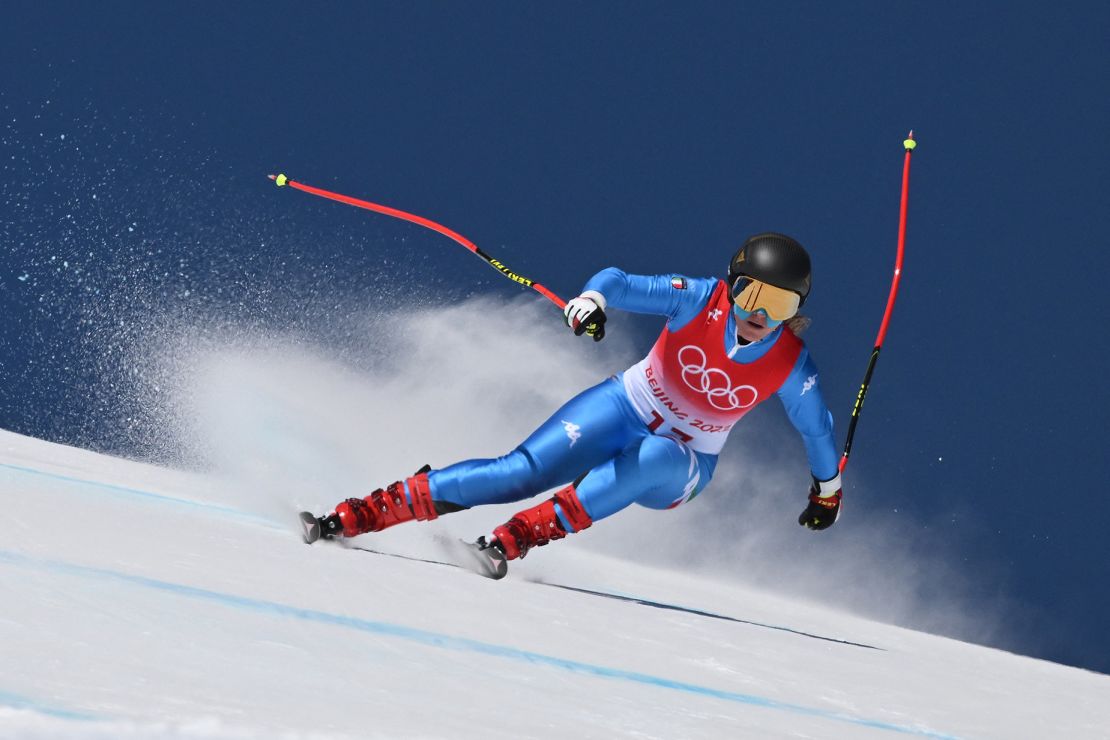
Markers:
point(16, 701)
point(451, 642)
point(138, 493)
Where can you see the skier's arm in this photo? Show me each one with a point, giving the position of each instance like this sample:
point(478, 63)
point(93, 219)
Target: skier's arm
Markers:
point(805, 406)
point(676, 297)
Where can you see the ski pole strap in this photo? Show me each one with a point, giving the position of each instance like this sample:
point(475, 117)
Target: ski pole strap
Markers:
point(283, 181)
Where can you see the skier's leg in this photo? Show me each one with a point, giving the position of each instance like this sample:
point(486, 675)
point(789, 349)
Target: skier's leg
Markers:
point(589, 429)
point(657, 472)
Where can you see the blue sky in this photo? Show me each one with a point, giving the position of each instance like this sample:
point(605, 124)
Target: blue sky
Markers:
point(566, 138)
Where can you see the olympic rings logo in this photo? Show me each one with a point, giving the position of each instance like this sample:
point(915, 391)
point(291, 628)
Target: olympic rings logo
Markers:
point(713, 382)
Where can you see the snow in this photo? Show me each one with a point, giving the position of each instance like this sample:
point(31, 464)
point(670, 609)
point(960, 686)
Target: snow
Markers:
point(142, 602)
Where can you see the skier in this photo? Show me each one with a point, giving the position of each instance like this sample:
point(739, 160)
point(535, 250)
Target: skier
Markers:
point(650, 435)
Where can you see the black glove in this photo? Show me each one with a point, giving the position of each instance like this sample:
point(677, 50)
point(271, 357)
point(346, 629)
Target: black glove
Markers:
point(824, 504)
point(586, 315)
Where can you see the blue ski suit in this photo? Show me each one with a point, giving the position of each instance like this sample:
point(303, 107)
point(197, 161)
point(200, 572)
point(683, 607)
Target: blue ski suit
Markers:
point(600, 433)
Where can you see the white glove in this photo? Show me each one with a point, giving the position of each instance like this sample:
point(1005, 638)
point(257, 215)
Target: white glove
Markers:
point(586, 314)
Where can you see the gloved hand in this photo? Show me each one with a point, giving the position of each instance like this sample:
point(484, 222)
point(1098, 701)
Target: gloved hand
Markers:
point(586, 314)
point(824, 504)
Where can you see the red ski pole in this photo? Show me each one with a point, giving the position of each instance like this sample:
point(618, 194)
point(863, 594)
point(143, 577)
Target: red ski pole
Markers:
point(282, 181)
point(910, 144)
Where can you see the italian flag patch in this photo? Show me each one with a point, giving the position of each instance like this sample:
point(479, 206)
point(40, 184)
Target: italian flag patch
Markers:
point(678, 283)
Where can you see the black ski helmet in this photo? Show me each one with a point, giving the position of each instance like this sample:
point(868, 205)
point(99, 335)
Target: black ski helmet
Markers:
point(775, 259)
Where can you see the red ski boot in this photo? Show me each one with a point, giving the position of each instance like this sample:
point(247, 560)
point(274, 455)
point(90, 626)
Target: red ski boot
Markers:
point(539, 525)
point(383, 508)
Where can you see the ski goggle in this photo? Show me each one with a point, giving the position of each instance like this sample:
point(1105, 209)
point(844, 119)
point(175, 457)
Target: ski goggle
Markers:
point(777, 304)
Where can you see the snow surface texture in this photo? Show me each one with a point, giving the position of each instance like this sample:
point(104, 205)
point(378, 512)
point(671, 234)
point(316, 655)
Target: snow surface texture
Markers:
point(168, 614)
point(144, 602)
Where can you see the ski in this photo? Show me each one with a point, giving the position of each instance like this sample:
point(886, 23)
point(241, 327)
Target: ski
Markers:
point(311, 526)
point(477, 557)
point(468, 556)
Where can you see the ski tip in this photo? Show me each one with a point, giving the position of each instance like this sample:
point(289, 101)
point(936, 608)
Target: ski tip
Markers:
point(279, 180)
point(310, 526)
point(494, 564)
point(909, 143)
point(496, 569)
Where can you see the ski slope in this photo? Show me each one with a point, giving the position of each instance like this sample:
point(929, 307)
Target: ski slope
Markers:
point(136, 603)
